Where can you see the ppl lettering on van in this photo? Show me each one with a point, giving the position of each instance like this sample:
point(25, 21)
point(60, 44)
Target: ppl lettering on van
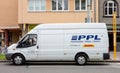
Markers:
point(85, 37)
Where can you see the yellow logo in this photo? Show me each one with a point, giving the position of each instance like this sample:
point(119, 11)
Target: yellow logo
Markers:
point(88, 45)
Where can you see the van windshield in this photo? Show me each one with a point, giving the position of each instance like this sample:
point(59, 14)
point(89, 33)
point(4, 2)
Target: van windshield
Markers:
point(28, 41)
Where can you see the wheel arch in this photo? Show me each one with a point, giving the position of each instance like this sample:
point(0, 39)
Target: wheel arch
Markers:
point(17, 54)
point(81, 53)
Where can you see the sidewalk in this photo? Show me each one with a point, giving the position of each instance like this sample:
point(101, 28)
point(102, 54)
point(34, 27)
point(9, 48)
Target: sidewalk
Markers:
point(112, 56)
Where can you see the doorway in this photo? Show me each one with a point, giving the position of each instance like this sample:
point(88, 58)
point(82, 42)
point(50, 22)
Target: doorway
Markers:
point(110, 41)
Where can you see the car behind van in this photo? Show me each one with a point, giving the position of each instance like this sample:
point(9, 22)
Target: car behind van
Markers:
point(79, 42)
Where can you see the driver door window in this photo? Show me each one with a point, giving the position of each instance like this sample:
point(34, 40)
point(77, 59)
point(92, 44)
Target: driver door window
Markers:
point(28, 41)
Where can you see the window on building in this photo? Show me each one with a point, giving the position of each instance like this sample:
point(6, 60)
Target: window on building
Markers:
point(118, 37)
point(109, 7)
point(37, 5)
point(59, 5)
point(80, 5)
point(9, 36)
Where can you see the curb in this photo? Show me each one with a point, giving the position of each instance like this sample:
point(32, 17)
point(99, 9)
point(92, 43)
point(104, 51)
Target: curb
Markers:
point(4, 61)
point(113, 61)
point(106, 61)
point(110, 60)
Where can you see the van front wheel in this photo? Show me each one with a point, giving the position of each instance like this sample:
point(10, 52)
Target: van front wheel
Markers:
point(18, 59)
point(81, 59)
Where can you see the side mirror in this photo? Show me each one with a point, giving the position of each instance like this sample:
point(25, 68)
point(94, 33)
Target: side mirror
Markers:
point(19, 45)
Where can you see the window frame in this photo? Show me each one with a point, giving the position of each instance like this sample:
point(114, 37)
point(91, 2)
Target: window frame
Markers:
point(107, 7)
point(34, 6)
point(57, 6)
point(80, 6)
point(20, 42)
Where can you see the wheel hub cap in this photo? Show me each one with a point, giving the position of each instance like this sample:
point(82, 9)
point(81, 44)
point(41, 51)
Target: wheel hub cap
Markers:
point(18, 60)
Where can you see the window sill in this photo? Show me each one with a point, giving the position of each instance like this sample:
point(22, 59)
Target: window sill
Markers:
point(49, 11)
point(36, 11)
point(110, 16)
point(82, 10)
point(59, 10)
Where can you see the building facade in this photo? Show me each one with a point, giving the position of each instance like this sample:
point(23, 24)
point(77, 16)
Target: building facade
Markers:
point(31, 12)
point(9, 28)
point(106, 10)
point(20, 16)
point(54, 11)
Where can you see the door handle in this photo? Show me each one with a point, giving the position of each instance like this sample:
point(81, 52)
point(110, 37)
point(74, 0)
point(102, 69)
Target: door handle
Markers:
point(37, 47)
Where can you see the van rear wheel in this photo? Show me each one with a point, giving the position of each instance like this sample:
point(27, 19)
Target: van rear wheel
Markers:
point(18, 59)
point(81, 59)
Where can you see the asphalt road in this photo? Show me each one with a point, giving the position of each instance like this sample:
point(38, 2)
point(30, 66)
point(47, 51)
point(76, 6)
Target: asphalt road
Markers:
point(97, 67)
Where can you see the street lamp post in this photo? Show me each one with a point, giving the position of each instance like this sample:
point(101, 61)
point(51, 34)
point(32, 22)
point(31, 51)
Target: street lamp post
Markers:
point(114, 34)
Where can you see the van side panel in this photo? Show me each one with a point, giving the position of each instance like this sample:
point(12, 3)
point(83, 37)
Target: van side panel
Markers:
point(65, 44)
point(51, 45)
point(94, 42)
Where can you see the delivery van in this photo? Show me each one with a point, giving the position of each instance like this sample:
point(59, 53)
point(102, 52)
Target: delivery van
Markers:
point(79, 42)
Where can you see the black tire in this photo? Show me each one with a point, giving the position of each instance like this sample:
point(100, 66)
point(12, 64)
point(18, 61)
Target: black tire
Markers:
point(81, 59)
point(18, 59)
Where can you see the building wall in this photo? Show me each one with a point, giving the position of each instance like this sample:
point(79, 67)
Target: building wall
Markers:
point(107, 20)
point(49, 16)
point(96, 11)
point(15, 36)
point(9, 21)
point(9, 13)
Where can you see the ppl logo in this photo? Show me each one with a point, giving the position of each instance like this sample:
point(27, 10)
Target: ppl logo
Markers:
point(86, 38)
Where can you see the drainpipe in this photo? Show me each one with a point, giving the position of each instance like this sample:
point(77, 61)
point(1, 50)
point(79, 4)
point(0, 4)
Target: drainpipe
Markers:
point(6, 38)
point(89, 11)
point(95, 11)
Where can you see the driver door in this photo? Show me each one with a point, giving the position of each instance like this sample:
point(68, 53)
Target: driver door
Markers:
point(28, 46)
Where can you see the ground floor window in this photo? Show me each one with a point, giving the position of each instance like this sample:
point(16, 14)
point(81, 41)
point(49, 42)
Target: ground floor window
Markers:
point(118, 38)
point(111, 41)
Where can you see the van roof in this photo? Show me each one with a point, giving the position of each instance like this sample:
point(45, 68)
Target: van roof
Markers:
point(71, 26)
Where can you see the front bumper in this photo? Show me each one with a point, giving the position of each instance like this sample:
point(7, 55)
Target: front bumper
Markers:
point(106, 56)
point(8, 56)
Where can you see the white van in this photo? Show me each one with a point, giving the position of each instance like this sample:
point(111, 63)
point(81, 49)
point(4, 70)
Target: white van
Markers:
point(79, 42)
